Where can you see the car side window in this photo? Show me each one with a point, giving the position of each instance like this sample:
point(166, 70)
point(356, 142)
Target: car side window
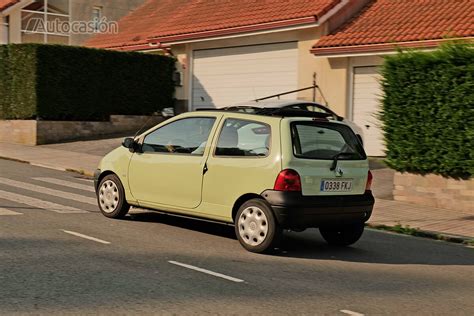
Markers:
point(185, 136)
point(243, 138)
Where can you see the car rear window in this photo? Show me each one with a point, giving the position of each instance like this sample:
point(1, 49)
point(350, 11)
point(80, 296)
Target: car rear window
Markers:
point(323, 141)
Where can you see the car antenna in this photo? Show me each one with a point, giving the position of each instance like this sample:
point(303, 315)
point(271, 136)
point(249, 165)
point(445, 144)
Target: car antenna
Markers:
point(151, 116)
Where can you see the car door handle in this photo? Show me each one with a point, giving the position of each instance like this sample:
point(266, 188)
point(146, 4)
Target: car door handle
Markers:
point(205, 169)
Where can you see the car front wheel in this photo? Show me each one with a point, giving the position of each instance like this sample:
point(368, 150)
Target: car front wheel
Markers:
point(111, 197)
point(256, 227)
point(344, 235)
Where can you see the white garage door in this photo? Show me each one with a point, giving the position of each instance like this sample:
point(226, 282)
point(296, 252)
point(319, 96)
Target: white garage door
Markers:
point(225, 76)
point(366, 105)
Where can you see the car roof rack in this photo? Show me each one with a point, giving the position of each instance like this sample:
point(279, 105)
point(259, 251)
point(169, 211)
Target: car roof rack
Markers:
point(282, 112)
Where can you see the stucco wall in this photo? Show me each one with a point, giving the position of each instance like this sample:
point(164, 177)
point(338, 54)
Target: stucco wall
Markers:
point(304, 37)
point(335, 77)
point(332, 78)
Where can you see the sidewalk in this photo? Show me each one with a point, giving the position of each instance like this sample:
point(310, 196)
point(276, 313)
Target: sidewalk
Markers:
point(84, 157)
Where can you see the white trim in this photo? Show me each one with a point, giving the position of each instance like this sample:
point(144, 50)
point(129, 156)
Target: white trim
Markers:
point(283, 29)
point(13, 7)
point(388, 52)
point(333, 11)
point(323, 19)
point(151, 50)
point(350, 91)
point(69, 9)
point(47, 33)
point(190, 79)
point(100, 11)
point(48, 13)
point(45, 16)
point(4, 20)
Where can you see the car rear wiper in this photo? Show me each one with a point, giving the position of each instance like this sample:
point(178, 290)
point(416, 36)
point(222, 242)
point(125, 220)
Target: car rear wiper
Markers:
point(336, 158)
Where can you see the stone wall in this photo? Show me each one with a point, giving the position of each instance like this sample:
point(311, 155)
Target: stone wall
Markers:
point(18, 131)
point(32, 132)
point(434, 190)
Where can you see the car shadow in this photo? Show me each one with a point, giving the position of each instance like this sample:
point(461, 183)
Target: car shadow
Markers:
point(374, 246)
point(202, 226)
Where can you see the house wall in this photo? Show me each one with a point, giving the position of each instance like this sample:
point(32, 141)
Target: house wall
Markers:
point(15, 26)
point(306, 62)
point(333, 75)
point(113, 10)
point(80, 10)
point(335, 78)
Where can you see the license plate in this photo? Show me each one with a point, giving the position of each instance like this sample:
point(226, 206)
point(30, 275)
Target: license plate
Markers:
point(343, 185)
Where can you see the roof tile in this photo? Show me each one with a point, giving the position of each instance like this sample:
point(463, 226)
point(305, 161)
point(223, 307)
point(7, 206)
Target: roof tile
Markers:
point(165, 18)
point(386, 21)
point(7, 3)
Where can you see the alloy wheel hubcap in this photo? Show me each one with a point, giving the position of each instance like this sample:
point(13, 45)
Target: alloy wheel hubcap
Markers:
point(253, 226)
point(109, 196)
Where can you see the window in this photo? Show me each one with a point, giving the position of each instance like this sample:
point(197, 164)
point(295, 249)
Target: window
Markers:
point(244, 138)
point(96, 16)
point(4, 37)
point(185, 136)
point(45, 21)
point(324, 141)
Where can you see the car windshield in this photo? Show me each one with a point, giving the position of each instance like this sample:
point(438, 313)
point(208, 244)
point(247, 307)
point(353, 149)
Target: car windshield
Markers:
point(324, 141)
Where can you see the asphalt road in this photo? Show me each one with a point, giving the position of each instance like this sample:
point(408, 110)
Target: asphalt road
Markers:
point(59, 255)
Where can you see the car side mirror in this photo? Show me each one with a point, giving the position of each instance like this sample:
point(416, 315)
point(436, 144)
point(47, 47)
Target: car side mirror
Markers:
point(130, 143)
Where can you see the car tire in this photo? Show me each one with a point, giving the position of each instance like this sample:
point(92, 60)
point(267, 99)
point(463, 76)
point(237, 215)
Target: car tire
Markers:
point(111, 197)
point(344, 235)
point(256, 227)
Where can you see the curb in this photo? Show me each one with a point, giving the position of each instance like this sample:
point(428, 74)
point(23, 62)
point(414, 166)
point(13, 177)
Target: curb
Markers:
point(464, 240)
point(81, 172)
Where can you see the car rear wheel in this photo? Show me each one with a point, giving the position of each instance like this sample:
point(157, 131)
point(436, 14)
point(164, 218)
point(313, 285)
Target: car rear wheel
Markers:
point(111, 197)
point(344, 235)
point(256, 227)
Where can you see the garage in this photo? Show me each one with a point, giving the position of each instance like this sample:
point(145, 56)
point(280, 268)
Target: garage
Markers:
point(365, 107)
point(225, 76)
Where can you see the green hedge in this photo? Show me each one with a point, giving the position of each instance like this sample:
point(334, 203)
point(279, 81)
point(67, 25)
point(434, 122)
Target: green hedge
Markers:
point(54, 82)
point(428, 111)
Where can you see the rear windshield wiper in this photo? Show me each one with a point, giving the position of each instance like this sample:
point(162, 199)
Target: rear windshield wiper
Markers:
point(336, 158)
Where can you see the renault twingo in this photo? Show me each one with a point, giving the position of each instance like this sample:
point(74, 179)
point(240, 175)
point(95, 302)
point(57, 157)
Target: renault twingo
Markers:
point(263, 172)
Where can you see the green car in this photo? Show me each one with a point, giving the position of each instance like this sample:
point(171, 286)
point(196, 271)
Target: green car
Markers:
point(262, 171)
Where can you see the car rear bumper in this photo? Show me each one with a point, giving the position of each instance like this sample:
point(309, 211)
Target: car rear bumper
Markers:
point(293, 210)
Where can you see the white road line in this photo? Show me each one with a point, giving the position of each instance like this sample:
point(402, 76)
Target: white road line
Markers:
point(5, 212)
point(219, 275)
point(69, 184)
point(87, 180)
point(46, 166)
point(49, 206)
point(86, 237)
point(348, 312)
point(44, 190)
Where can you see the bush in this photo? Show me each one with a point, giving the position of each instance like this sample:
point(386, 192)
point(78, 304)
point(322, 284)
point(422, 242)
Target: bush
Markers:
point(54, 82)
point(428, 111)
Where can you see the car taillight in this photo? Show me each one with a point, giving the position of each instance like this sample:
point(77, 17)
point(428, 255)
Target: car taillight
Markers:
point(368, 186)
point(288, 180)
